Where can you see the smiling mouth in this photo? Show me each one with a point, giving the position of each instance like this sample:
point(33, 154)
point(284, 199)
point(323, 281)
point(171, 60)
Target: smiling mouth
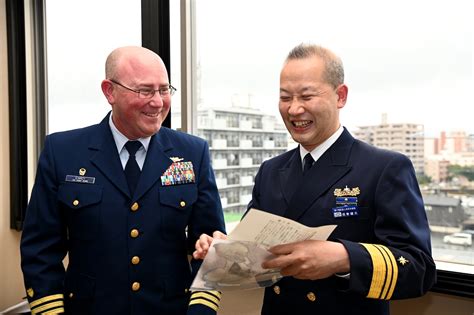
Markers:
point(152, 115)
point(302, 123)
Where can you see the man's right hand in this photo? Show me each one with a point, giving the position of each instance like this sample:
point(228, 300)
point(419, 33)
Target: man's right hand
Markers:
point(204, 242)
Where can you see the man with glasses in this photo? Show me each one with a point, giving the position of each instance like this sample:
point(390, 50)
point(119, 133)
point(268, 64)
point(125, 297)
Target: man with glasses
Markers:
point(126, 200)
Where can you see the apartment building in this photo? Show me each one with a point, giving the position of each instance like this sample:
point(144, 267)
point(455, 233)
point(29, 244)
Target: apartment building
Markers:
point(405, 138)
point(240, 139)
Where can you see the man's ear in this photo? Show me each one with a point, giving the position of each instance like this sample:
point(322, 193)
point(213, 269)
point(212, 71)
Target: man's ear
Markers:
point(107, 89)
point(341, 92)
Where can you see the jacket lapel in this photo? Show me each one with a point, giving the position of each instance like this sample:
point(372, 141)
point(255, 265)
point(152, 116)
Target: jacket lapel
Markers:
point(291, 175)
point(326, 171)
point(156, 162)
point(106, 157)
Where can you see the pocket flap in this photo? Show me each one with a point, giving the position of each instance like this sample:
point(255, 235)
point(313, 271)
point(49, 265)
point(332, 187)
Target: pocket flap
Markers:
point(178, 196)
point(77, 196)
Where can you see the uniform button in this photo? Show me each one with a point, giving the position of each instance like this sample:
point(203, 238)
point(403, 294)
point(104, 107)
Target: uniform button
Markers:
point(311, 296)
point(135, 260)
point(276, 289)
point(186, 290)
point(71, 295)
point(134, 233)
point(135, 286)
point(134, 207)
point(182, 204)
point(75, 203)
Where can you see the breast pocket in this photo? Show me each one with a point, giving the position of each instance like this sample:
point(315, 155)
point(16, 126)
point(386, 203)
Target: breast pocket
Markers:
point(355, 227)
point(81, 204)
point(176, 204)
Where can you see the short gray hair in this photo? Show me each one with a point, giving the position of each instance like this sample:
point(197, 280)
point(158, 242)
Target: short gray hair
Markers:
point(334, 69)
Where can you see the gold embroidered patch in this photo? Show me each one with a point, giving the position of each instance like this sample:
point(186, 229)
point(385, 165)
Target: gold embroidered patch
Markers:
point(338, 192)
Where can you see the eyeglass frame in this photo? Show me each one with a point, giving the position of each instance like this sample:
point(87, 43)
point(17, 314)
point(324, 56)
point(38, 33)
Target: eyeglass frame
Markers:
point(148, 93)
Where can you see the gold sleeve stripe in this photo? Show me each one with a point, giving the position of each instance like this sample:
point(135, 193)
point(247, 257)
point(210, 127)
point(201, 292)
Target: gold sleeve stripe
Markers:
point(388, 276)
point(55, 311)
point(385, 272)
point(378, 273)
point(47, 307)
point(46, 299)
point(393, 274)
point(204, 302)
point(207, 296)
point(216, 293)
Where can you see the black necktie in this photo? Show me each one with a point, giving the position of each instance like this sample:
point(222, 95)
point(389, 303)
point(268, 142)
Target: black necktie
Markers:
point(132, 170)
point(308, 162)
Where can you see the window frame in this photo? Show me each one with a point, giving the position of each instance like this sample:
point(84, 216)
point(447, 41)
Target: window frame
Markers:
point(156, 36)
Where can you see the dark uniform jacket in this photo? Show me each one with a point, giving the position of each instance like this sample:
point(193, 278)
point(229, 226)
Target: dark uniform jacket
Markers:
point(127, 254)
point(373, 197)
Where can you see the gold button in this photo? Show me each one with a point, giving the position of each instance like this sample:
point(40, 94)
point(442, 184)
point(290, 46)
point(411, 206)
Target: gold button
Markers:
point(75, 202)
point(186, 290)
point(134, 207)
point(311, 296)
point(276, 289)
point(135, 260)
point(71, 295)
point(134, 233)
point(182, 204)
point(136, 286)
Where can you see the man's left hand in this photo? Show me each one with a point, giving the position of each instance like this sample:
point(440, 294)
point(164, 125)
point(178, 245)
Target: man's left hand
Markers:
point(309, 259)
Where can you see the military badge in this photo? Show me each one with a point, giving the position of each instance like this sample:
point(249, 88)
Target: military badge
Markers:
point(346, 202)
point(338, 192)
point(176, 159)
point(178, 173)
point(403, 261)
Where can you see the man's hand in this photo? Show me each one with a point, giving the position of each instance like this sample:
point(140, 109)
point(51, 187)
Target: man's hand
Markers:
point(204, 242)
point(309, 259)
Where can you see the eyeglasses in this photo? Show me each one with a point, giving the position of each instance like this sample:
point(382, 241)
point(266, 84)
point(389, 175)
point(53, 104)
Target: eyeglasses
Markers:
point(149, 93)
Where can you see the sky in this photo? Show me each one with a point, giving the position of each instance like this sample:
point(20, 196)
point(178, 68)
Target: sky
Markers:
point(412, 60)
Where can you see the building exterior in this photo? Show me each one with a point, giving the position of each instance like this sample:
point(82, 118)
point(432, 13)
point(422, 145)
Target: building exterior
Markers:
point(436, 167)
point(445, 214)
point(240, 139)
point(405, 138)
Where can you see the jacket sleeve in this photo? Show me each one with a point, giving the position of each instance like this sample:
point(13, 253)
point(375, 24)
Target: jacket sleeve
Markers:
point(43, 242)
point(207, 217)
point(399, 264)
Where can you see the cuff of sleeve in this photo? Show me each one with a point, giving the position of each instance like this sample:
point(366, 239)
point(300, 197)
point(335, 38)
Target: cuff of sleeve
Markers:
point(343, 276)
point(51, 304)
point(209, 299)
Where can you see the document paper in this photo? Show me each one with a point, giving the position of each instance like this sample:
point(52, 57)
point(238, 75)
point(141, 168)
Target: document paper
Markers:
point(235, 263)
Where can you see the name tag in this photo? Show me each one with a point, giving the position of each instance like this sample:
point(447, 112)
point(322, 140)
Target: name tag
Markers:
point(345, 211)
point(80, 179)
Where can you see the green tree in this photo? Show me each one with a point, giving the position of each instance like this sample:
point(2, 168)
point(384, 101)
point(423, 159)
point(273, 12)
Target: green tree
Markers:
point(423, 179)
point(458, 170)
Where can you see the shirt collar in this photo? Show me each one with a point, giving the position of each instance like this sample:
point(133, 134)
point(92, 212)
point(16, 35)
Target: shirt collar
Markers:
point(120, 139)
point(317, 152)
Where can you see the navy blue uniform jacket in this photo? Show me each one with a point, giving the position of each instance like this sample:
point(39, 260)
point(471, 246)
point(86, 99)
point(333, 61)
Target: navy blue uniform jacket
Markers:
point(127, 254)
point(386, 234)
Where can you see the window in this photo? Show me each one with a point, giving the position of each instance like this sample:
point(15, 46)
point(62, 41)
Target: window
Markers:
point(78, 45)
point(402, 61)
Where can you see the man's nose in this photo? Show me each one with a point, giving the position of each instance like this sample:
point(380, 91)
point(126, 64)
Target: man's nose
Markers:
point(295, 106)
point(156, 100)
